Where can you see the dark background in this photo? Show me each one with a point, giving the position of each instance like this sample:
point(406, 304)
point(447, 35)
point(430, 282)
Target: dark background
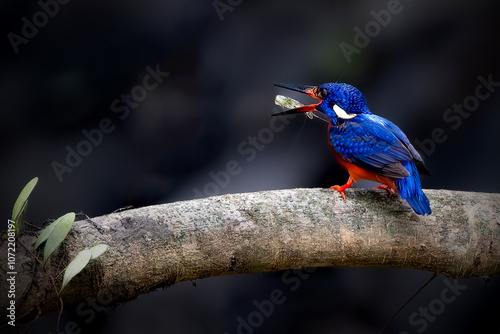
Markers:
point(218, 93)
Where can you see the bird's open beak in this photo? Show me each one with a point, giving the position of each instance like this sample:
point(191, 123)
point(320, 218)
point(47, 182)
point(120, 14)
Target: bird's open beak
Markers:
point(309, 90)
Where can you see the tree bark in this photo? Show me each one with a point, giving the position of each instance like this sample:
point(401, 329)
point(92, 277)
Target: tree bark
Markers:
point(161, 245)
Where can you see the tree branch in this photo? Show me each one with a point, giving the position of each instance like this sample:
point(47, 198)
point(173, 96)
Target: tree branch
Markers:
point(161, 245)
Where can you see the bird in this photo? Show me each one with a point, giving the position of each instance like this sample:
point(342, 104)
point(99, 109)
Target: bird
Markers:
point(367, 146)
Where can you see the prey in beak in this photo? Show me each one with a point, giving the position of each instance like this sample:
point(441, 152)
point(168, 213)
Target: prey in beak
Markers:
point(312, 91)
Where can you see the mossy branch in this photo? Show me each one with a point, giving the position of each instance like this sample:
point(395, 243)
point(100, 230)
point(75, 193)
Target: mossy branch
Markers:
point(164, 244)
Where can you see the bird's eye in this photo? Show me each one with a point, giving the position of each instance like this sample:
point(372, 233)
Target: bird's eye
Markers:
point(320, 93)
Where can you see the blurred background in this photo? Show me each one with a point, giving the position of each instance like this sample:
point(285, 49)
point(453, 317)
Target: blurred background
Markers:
point(66, 73)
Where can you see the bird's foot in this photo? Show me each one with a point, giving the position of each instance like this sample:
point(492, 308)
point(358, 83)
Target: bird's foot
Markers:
point(341, 189)
point(383, 186)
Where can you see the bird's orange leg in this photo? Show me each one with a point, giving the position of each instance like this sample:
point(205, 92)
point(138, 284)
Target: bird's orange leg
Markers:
point(383, 186)
point(341, 189)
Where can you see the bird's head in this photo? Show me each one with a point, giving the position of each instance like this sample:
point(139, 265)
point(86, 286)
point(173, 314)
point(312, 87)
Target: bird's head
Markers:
point(336, 100)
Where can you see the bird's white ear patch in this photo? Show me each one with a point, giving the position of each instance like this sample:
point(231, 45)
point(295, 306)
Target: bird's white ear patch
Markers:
point(341, 112)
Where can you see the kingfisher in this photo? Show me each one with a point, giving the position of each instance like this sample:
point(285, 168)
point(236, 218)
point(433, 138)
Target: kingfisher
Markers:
point(367, 146)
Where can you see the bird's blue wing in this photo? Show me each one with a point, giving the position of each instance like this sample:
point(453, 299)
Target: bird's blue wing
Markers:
point(375, 144)
point(417, 159)
point(400, 135)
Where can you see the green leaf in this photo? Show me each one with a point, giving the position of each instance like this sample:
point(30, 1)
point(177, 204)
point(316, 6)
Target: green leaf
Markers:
point(54, 234)
point(80, 262)
point(98, 250)
point(21, 204)
point(19, 222)
point(45, 234)
point(75, 266)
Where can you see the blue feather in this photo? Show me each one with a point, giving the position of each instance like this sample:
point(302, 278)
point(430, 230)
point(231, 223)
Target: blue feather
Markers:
point(410, 189)
point(366, 141)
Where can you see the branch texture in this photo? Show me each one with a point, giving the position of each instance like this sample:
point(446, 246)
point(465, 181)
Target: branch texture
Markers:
point(161, 245)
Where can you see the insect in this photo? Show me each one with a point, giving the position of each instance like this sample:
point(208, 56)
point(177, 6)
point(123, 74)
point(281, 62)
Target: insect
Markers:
point(366, 145)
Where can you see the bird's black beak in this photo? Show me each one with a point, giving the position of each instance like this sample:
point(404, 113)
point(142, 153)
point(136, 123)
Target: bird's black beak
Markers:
point(309, 90)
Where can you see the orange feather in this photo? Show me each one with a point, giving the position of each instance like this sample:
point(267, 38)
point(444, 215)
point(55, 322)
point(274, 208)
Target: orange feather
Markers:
point(357, 173)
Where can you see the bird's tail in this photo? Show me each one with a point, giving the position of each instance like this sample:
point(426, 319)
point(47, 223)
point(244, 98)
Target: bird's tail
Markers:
point(410, 189)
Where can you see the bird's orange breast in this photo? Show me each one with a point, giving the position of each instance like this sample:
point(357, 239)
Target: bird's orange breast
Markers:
point(357, 172)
